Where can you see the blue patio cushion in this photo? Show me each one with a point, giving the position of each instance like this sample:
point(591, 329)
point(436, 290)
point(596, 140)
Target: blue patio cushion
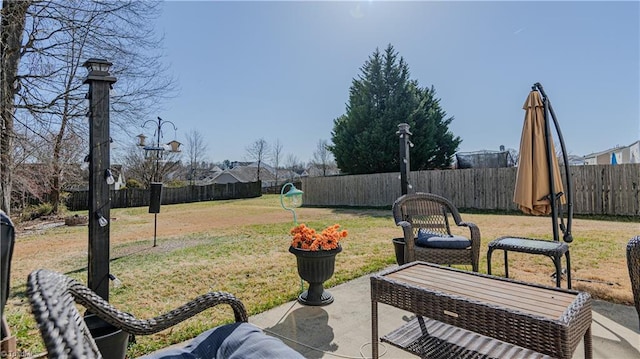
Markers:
point(435, 240)
point(232, 341)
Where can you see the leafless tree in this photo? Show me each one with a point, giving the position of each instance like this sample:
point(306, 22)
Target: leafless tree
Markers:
point(12, 23)
point(258, 152)
point(276, 157)
point(196, 150)
point(61, 35)
point(293, 164)
point(136, 165)
point(142, 165)
point(322, 156)
point(513, 157)
point(30, 172)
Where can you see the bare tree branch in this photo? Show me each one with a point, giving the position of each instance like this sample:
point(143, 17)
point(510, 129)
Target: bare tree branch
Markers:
point(276, 158)
point(196, 150)
point(258, 152)
point(44, 75)
point(322, 156)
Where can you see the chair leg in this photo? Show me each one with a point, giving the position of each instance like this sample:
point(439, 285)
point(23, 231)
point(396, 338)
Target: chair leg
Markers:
point(489, 260)
point(506, 265)
point(568, 269)
point(588, 344)
point(557, 260)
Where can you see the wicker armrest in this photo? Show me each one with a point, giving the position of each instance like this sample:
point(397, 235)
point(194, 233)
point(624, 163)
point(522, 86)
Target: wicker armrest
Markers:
point(127, 322)
point(67, 334)
point(53, 297)
point(407, 232)
point(473, 228)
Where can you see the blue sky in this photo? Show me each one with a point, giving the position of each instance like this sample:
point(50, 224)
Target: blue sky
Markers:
point(282, 70)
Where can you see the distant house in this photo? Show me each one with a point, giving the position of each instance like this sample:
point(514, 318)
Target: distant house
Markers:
point(238, 163)
point(288, 176)
point(250, 174)
point(226, 177)
point(316, 170)
point(172, 170)
point(574, 160)
point(118, 176)
point(616, 155)
point(484, 159)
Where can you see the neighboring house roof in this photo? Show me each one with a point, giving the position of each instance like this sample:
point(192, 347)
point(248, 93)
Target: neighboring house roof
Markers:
point(575, 160)
point(484, 159)
point(264, 166)
point(249, 174)
point(315, 170)
point(238, 163)
point(623, 154)
point(225, 177)
point(287, 174)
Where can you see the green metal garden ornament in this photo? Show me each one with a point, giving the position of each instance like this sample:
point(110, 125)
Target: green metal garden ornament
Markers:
point(291, 199)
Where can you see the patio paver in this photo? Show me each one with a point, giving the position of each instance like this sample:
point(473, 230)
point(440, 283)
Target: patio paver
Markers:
point(343, 328)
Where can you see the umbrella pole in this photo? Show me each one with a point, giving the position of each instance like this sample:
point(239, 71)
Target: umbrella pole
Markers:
point(567, 236)
point(552, 195)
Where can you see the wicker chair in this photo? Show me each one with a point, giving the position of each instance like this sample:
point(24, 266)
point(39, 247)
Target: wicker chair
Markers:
point(633, 262)
point(430, 212)
point(7, 242)
point(66, 335)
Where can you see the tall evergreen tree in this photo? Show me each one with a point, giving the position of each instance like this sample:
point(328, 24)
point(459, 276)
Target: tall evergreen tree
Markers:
point(383, 96)
point(434, 144)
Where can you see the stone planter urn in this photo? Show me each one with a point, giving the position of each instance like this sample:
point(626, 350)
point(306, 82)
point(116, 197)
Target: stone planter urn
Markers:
point(315, 267)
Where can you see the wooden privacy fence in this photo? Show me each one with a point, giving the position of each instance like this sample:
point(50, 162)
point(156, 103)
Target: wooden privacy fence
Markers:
point(137, 197)
point(599, 189)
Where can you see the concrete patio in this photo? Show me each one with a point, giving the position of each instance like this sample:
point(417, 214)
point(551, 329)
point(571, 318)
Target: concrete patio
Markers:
point(343, 328)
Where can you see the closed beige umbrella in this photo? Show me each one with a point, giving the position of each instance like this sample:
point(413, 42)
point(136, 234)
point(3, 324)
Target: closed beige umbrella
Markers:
point(532, 181)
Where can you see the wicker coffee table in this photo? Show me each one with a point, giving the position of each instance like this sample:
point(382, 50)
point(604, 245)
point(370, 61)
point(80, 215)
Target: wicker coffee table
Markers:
point(476, 315)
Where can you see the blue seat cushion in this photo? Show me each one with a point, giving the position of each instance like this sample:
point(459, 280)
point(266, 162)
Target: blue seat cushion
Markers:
point(231, 341)
point(428, 239)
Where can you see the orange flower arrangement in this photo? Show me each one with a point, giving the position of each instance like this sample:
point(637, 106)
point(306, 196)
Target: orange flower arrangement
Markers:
point(308, 239)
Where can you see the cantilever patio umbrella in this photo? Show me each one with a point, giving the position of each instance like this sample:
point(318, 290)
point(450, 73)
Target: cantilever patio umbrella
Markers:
point(538, 182)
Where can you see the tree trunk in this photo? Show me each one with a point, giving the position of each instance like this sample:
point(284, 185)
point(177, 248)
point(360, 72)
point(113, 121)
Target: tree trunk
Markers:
point(58, 166)
point(11, 31)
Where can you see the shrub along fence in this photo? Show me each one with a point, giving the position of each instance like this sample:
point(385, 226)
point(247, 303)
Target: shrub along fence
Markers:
point(598, 190)
point(138, 197)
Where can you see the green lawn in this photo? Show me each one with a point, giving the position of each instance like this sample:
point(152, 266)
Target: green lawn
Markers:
point(241, 246)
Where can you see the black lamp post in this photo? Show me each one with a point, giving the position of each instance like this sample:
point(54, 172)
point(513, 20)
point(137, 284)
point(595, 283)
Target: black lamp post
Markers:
point(155, 193)
point(405, 144)
point(99, 81)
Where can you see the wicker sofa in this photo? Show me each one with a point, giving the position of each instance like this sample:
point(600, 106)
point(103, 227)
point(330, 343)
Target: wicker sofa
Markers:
point(66, 335)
